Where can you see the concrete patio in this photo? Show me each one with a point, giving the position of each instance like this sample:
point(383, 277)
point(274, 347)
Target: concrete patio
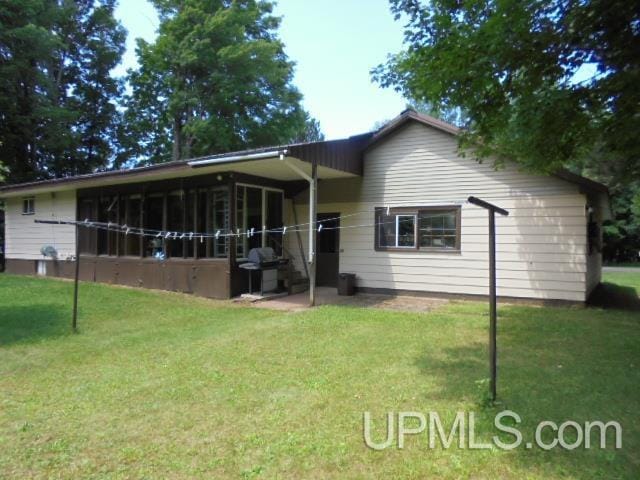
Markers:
point(329, 296)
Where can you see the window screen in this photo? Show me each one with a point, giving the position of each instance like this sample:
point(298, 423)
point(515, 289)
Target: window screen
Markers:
point(438, 229)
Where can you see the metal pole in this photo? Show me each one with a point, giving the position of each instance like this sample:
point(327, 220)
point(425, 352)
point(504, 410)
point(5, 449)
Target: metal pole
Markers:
point(74, 321)
point(492, 209)
point(313, 199)
point(492, 303)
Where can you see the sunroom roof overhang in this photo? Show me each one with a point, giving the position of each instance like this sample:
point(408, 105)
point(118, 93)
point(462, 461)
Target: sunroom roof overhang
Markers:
point(334, 159)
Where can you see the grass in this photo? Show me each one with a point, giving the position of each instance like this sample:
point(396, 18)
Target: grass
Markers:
point(628, 280)
point(161, 385)
point(618, 290)
point(623, 264)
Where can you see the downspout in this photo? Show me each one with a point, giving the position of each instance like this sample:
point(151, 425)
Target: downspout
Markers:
point(313, 206)
point(313, 200)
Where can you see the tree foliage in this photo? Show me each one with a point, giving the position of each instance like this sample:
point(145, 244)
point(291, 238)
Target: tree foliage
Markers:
point(57, 96)
point(511, 66)
point(216, 79)
point(455, 116)
point(548, 84)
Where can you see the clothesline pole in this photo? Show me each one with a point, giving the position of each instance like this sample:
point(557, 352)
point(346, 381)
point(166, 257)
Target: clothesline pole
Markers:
point(493, 314)
point(74, 320)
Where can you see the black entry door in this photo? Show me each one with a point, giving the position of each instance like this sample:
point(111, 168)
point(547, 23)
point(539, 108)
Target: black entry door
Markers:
point(328, 248)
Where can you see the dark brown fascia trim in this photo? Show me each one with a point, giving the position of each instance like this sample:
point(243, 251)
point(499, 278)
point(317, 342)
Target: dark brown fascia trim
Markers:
point(589, 186)
point(133, 172)
point(309, 151)
point(407, 116)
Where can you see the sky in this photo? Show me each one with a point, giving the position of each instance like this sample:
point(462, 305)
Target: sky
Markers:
point(334, 43)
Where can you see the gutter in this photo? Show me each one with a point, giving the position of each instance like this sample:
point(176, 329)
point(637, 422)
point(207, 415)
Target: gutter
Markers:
point(205, 162)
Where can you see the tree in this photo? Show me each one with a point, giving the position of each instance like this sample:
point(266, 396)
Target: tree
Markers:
point(512, 66)
point(517, 68)
point(454, 116)
point(216, 79)
point(57, 97)
point(312, 131)
point(622, 233)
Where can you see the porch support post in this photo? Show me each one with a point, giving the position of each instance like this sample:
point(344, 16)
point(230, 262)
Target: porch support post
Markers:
point(313, 207)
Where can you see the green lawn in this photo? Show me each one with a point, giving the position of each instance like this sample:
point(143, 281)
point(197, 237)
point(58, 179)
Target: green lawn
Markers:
point(624, 280)
point(161, 385)
point(624, 264)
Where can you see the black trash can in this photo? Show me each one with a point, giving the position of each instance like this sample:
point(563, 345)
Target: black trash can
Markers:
point(346, 284)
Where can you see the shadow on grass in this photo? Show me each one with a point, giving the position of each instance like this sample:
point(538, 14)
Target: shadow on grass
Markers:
point(611, 295)
point(550, 367)
point(32, 323)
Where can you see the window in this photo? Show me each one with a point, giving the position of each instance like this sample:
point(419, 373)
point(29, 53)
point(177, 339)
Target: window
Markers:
point(258, 207)
point(175, 223)
point(397, 230)
point(438, 229)
point(28, 206)
point(418, 228)
point(108, 208)
point(220, 212)
point(88, 236)
point(212, 215)
point(190, 218)
point(153, 220)
point(132, 212)
point(273, 220)
point(179, 212)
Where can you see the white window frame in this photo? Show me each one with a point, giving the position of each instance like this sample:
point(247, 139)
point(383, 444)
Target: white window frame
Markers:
point(243, 227)
point(415, 219)
point(26, 202)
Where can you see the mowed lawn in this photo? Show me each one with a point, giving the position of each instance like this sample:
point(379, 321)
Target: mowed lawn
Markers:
point(161, 385)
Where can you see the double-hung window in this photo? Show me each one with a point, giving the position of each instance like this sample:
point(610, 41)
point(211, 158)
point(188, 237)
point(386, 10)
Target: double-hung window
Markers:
point(28, 206)
point(418, 228)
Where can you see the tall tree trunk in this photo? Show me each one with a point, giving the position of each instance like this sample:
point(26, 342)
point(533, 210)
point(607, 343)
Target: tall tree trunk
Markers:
point(177, 138)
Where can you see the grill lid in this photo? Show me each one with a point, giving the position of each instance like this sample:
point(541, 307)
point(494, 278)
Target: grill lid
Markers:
point(261, 255)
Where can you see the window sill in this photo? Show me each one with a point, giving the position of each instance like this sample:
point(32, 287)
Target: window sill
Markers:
point(438, 251)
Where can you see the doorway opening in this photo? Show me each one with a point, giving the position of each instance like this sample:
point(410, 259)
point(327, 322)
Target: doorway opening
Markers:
point(328, 250)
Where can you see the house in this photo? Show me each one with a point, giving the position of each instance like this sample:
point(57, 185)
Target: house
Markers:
point(392, 205)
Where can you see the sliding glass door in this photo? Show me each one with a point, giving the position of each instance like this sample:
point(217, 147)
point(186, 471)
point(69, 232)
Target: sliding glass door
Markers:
point(256, 208)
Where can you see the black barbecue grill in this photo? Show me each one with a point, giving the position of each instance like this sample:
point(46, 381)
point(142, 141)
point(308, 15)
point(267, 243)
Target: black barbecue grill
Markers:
point(263, 260)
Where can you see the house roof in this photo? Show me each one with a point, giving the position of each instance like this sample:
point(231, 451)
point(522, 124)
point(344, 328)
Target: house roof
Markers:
point(407, 116)
point(345, 155)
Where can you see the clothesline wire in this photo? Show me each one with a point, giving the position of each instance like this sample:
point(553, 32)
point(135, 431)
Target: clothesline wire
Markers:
point(178, 235)
point(154, 232)
point(222, 232)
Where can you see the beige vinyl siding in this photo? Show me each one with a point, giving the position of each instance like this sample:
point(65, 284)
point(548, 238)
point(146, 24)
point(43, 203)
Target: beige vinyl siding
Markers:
point(24, 238)
point(541, 245)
